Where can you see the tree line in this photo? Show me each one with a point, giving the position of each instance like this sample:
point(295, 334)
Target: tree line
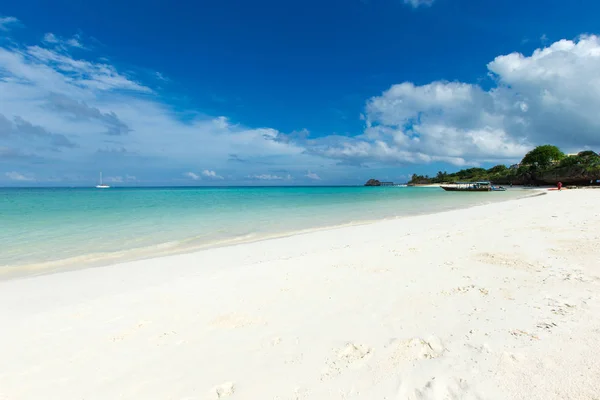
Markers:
point(545, 164)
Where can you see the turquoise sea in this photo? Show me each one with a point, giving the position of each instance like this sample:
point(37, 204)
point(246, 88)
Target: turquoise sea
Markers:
point(49, 228)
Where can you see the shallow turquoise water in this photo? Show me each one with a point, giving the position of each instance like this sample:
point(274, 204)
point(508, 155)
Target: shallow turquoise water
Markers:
point(49, 226)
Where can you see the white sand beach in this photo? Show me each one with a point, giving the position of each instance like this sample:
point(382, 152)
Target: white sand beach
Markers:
point(500, 301)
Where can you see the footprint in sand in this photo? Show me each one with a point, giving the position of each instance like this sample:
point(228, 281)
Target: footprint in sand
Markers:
point(546, 325)
point(402, 355)
point(351, 355)
point(506, 261)
point(224, 390)
point(581, 247)
point(466, 289)
point(560, 307)
point(438, 387)
point(521, 333)
point(417, 349)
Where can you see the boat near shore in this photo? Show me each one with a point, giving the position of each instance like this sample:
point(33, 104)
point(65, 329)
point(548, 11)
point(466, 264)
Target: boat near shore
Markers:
point(483, 186)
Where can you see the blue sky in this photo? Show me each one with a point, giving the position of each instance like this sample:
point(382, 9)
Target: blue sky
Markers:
point(265, 92)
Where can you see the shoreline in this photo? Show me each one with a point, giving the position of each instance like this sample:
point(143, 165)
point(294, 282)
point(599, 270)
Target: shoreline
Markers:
point(496, 301)
point(173, 248)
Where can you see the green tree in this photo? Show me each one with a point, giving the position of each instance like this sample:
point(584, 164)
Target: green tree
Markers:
point(441, 177)
point(543, 156)
point(498, 169)
point(587, 153)
point(569, 161)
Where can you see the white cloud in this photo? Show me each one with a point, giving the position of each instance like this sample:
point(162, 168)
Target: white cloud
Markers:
point(7, 22)
point(78, 113)
point(269, 177)
point(54, 97)
point(313, 176)
point(211, 174)
point(192, 176)
point(120, 179)
point(52, 39)
point(16, 176)
point(551, 96)
point(74, 42)
point(419, 3)
point(114, 179)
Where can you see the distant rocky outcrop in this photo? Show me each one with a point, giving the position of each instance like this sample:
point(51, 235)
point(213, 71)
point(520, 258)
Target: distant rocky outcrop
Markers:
point(373, 182)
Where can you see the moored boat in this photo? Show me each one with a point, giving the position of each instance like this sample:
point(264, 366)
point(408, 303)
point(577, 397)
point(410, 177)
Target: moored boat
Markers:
point(483, 186)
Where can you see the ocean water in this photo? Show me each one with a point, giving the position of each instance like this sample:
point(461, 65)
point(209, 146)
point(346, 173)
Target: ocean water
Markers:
point(48, 228)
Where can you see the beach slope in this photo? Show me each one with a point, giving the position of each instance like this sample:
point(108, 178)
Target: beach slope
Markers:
point(500, 301)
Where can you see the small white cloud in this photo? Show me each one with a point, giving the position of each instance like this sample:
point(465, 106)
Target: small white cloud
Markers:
point(120, 179)
point(42, 64)
point(7, 22)
point(267, 177)
point(544, 39)
point(313, 176)
point(15, 176)
point(73, 42)
point(161, 77)
point(192, 176)
point(419, 3)
point(211, 174)
point(51, 38)
point(114, 179)
point(523, 106)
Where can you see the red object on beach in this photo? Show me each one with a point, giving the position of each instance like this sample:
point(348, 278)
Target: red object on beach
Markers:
point(559, 184)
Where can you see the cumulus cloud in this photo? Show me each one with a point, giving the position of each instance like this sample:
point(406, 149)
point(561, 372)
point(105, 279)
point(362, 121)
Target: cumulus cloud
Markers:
point(550, 96)
point(16, 176)
point(419, 3)
point(192, 175)
point(313, 176)
point(62, 110)
point(211, 174)
point(7, 22)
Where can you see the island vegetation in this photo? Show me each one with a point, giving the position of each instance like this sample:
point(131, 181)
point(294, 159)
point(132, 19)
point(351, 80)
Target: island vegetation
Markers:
point(544, 165)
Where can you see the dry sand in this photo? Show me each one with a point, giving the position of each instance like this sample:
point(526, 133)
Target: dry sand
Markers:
point(495, 302)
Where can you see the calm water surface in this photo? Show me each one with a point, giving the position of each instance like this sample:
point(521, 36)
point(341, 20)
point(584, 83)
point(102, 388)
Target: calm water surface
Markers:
point(46, 227)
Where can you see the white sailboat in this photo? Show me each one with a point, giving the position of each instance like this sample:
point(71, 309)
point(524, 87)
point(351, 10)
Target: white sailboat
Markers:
point(101, 185)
